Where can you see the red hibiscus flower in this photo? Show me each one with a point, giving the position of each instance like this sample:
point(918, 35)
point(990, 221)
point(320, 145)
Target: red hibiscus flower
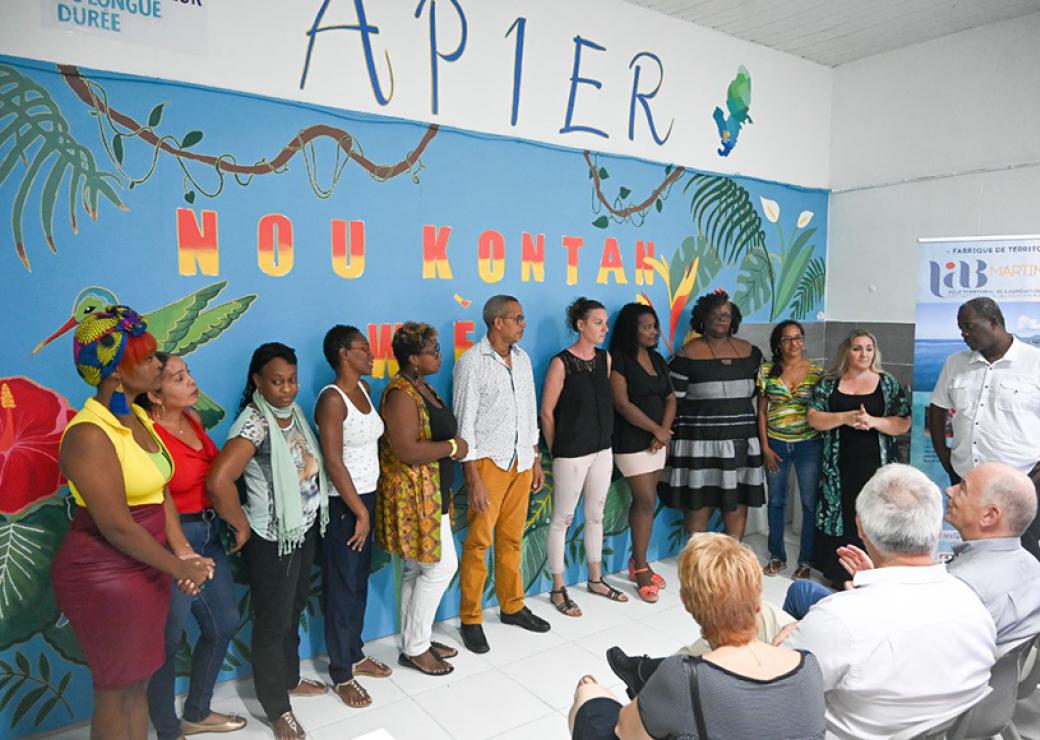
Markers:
point(32, 419)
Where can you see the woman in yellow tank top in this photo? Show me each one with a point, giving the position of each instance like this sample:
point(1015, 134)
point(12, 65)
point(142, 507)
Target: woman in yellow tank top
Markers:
point(112, 573)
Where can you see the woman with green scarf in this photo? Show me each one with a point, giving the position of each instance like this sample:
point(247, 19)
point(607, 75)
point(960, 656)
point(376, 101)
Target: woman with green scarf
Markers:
point(285, 511)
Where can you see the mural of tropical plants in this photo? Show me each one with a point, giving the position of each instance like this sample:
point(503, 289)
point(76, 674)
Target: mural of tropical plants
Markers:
point(33, 521)
point(727, 230)
point(34, 133)
point(53, 170)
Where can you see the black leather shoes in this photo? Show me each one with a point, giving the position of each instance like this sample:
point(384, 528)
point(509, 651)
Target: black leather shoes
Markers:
point(473, 638)
point(632, 670)
point(526, 618)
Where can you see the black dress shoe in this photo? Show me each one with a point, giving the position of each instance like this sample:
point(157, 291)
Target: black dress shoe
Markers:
point(633, 670)
point(526, 618)
point(473, 638)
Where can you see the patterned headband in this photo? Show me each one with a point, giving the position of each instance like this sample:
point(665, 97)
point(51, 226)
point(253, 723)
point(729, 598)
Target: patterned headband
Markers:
point(100, 340)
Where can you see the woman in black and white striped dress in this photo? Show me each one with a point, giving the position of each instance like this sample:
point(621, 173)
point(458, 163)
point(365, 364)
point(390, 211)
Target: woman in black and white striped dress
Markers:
point(715, 459)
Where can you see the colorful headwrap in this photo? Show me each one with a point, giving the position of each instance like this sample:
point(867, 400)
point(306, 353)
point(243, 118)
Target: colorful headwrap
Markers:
point(100, 340)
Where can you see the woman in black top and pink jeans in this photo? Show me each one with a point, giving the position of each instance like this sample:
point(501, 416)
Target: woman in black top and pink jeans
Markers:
point(578, 422)
point(645, 405)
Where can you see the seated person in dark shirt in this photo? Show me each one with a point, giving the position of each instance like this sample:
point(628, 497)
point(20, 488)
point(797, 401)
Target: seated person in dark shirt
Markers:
point(775, 688)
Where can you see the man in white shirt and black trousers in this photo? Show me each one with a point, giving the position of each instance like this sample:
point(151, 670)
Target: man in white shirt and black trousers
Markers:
point(993, 388)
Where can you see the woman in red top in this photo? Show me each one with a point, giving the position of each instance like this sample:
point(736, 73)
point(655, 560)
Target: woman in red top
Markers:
point(215, 610)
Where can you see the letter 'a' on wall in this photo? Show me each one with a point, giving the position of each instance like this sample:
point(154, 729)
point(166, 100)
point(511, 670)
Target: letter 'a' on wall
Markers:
point(256, 221)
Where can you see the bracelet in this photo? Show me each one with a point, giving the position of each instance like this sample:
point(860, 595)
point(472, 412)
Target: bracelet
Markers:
point(454, 448)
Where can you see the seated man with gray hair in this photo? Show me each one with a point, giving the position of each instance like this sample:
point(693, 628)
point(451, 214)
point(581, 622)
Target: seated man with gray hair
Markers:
point(990, 507)
point(909, 643)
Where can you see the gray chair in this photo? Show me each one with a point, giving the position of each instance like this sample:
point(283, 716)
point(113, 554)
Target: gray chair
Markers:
point(1029, 681)
point(1026, 682)
point(993, 715)
point(953, 728)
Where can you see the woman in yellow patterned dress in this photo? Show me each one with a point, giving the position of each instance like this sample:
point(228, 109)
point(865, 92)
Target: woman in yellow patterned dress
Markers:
point(413, 507)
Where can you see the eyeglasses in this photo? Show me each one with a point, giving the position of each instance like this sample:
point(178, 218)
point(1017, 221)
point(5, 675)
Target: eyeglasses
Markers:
point(799, 338)
point(720, 315)
point(434, 350)
point(519, 318)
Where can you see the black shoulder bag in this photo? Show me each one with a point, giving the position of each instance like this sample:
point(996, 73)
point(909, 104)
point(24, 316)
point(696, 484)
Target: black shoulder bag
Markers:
point(695, 694)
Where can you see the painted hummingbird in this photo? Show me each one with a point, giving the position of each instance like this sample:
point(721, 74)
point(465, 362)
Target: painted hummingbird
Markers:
point(179, 327)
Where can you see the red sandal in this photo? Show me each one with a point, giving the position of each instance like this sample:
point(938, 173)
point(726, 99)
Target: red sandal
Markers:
point(657, 580)
point(646, 593)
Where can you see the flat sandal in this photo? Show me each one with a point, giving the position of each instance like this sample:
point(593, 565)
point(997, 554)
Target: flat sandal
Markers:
point(567, 605)
point(612, 593)
point(378, 668)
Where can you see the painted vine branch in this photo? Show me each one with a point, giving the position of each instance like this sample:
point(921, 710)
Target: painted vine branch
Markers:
point(74, 79)
point(627, 211)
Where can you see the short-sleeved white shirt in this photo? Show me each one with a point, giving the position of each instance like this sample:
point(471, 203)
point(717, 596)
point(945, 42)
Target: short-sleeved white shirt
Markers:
point(997, 407)
point(906, 645)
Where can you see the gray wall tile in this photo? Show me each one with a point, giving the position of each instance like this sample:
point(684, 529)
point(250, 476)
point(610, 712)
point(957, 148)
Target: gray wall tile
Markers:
point(815, 333)
point(895, 340)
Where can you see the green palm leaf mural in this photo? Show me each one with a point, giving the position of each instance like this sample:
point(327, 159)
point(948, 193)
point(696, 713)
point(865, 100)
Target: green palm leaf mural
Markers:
point(723, 212)
point(27, 546)
point(755, 281)
point(810, 288)
point(534, 563)
point(36, 135)
point(615, 511)
point(795, 260)
point(708, 266)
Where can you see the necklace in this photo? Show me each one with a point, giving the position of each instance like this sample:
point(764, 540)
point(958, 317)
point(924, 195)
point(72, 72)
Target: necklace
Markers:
point(754, 654)
point(179, 430)
point(416, 381)
point(723, 360)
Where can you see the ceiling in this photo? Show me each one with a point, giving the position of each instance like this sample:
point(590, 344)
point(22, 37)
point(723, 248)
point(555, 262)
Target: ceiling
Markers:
point(834, 32)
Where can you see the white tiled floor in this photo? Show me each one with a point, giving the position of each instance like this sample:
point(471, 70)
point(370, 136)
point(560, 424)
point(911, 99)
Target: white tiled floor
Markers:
point(521, 689)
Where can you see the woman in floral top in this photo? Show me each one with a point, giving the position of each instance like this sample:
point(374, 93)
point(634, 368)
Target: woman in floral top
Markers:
point(861, 409)
point(785, 388)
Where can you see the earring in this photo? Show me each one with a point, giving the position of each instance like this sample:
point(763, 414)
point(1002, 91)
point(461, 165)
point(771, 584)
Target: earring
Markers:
point(117, 404)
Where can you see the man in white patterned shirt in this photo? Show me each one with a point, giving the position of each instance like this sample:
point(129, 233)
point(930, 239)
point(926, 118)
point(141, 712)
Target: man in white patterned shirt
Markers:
point(495, 404)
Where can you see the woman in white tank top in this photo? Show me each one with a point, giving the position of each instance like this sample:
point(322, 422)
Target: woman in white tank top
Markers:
point(350, 428)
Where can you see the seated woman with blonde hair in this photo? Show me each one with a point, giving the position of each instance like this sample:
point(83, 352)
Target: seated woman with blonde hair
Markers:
point(742, 688)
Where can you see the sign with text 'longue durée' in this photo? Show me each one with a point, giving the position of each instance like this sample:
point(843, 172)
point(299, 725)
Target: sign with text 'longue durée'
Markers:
point(170, 24)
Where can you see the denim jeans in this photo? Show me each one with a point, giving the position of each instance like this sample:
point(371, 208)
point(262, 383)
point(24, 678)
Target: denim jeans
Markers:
point(216, 612)
point(344, 578)
point(801, 595)
point(806, 457)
